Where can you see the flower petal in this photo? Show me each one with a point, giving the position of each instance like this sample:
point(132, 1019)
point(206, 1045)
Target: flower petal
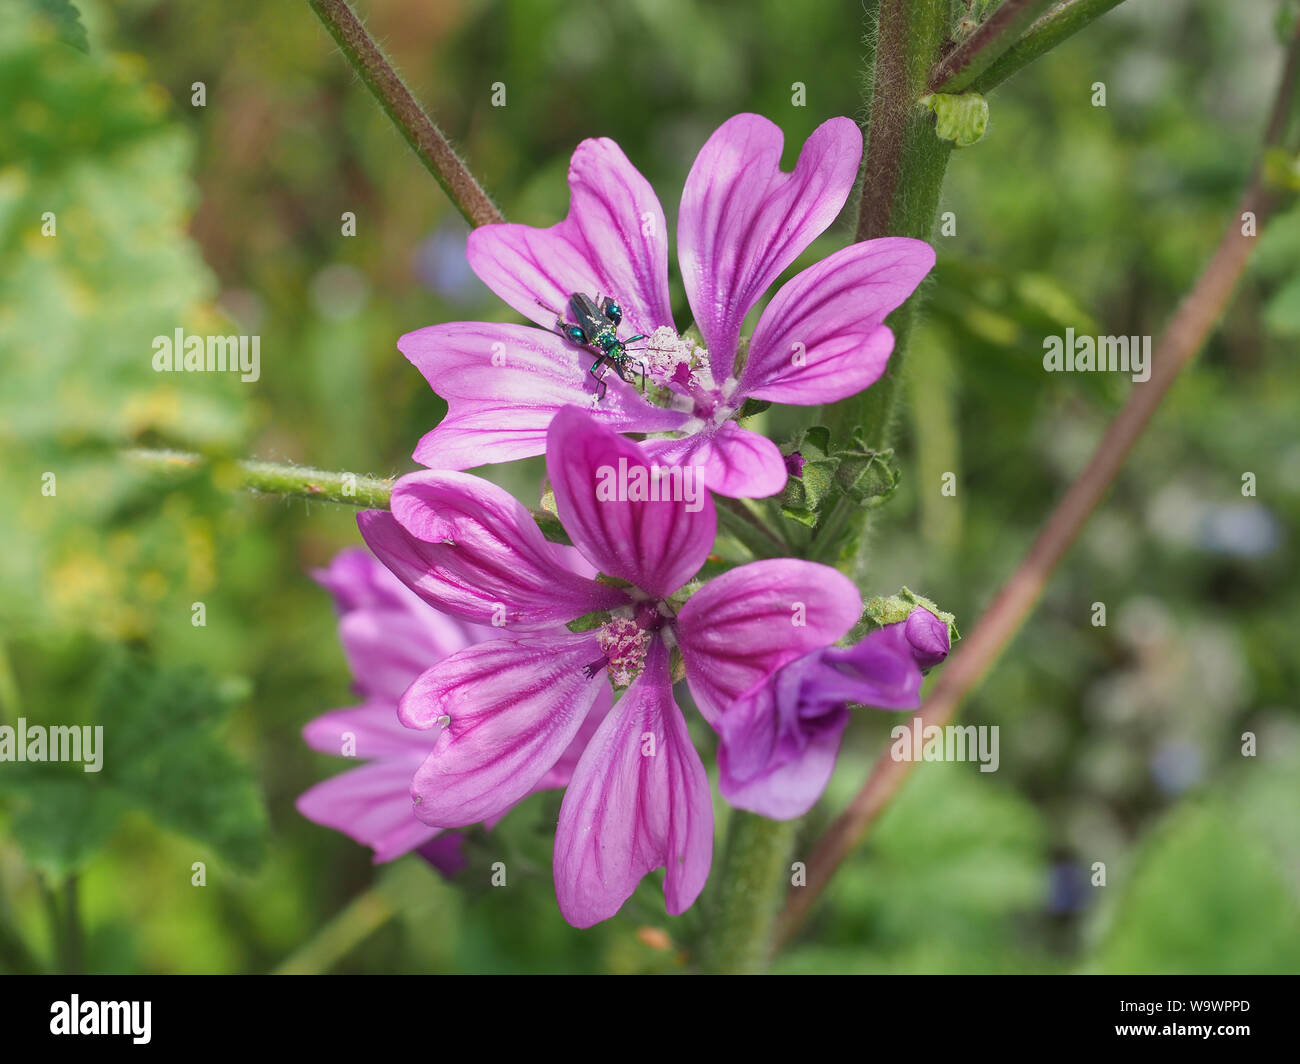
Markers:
point(742, 626)
point(387, 649)
point(628, 812)
point(374, 730)
point(928, 636)
point(613, 242)
point(743, 220)
point(736, 462)
point(773, 765)
point(514, 707)
point(821, 338)
point(880, 671)
point(504, 383)
point(470, 549)
point(594, 472)
point(356, 580)
point(371, 804)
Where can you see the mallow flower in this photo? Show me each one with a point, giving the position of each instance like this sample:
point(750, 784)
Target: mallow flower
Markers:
point(780, 740)
point(501, 713)
point(741, 223)
point(389, 638)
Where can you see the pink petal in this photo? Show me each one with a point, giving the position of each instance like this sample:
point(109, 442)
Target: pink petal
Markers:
point(613, 242)
point(743, 220)
point(821, 338)
point(658, 546)
point(504, 383)
point(736, 462)
point(514, 708)
point(469, 549)
point(372, 805)
point(387, 649)
point(742, 626)
point(558, 776)
point(357, 581)
point(626, 813)
point(375, 733)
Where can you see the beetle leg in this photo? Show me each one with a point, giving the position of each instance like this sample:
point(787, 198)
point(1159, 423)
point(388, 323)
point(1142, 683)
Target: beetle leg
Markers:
point(599, 378)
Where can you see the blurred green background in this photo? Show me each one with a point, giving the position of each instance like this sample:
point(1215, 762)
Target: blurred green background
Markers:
point(1119, 744)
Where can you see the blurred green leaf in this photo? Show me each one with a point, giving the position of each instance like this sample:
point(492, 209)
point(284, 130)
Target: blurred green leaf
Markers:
point(162, 755)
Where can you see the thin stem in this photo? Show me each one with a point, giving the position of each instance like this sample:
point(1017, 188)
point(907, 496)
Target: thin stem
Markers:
point(1041, 37)
point(744, 903)
point(360, 918)
point(745, 525)
point(424, 137)
point(1186, 332)
point(275, 478)
point(304, 482)
point(72, 934)
point(960, 67)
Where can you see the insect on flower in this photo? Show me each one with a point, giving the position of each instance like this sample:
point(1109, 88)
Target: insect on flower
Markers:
point(595, 327)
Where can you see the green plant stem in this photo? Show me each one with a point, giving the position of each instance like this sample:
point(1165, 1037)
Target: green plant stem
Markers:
point(360, 918)
point(746, 889)
point(961, 66)
point(738, 519)
point(301, 482)
point(276, 478)
point(72, 934)
point(902, 174)
point(411, 120)
point(1041, 37)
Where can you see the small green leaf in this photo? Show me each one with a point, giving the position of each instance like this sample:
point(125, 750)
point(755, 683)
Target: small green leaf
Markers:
point(961, 119)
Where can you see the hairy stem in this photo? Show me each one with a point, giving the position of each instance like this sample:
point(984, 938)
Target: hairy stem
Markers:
point(277, 478)
point(743, 902)
point(1186, 332)
point(424, 137)
point(303, 482)
point(902, 174)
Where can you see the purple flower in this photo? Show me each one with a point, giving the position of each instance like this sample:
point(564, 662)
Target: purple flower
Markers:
point(390, 637)
point(781, 739)
point(503, 712)
point(742, 222)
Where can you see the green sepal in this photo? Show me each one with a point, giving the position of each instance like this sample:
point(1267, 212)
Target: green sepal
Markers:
point(884, 610)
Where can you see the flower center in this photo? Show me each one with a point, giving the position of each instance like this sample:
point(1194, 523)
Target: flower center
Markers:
point(681, 366)
point(624, 643)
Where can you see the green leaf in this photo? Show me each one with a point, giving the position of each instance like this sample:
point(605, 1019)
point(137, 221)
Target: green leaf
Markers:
point(1205, 897)
point(961, 119)
point(67, 22)
point(61, 823)
point(161, 754)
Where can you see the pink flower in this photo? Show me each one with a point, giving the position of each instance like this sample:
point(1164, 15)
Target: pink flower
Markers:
point(742, 222)
point(503, 712)
point(390, 637)
point(779, 741)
